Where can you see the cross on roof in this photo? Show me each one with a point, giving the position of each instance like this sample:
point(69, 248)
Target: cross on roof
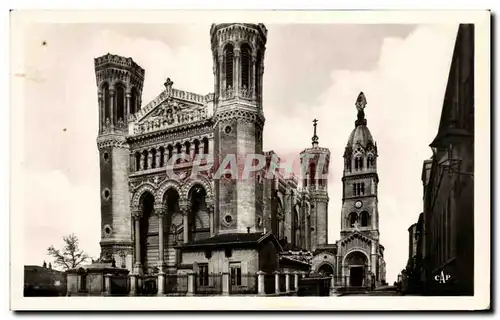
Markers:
point(315, 137)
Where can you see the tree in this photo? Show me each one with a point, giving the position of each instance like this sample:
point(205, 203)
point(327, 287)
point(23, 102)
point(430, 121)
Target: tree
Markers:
point(71, 256)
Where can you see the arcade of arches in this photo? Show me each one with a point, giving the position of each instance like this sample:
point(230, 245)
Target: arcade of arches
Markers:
point(160, 227)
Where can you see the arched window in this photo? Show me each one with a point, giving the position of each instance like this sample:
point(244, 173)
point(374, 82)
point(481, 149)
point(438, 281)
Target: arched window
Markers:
point(362, 188)
point(153, 156)
point(162, 156)
point(353, 218)
point(170, 151)
point(246, 60)
point(258, 63)
point(312, 173)
point(354, 189)
point(120, 102)
point(228, 62)
point(196, 147)
point(105, 96)
point(133, 101)
point(188, 150)
point(205, 145)
point(145, 155)
point(358, 163)
point(137, 161)
point(365, 219)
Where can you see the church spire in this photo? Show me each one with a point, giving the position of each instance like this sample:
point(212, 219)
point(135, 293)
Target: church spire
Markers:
point(315, 137)
point(360, 105)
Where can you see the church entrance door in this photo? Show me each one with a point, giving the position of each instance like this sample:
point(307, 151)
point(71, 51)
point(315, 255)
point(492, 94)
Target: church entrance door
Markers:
point(356, 276)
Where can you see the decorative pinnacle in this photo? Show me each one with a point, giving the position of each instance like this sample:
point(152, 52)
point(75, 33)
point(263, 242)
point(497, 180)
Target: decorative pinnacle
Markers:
point(315, 137)
point(360, 105)
point(168, 84)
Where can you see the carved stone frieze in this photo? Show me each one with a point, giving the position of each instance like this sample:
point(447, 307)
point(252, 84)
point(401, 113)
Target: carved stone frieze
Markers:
point(242, 115)
point(112, 141)
point(181, 132)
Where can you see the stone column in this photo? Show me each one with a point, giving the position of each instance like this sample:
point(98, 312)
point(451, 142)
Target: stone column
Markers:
point(210, 209)
point(128, 96)
point(296, 280)
point(260, 283)
point(143, 159)
point(158, 156)
point(253, 84)
point(287, 281)
point(107, 284)
point(225, 283)
point(277, 282)
point(137, 214)
point(133, 284)
point(374, 257)
point(236, 74)
point(150, 160)
point(185, 208)
point(101, 111)
point(190, 291)
point(160, 212)
point(112, 107)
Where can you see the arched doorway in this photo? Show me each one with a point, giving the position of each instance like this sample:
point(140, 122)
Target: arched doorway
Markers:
point(325, 269)
point(357, 266)
point(198, 217)
point(173, 218)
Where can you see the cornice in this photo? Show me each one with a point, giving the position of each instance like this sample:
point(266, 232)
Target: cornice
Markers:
point(360, 176)
point(187, 130)
point(112, 141)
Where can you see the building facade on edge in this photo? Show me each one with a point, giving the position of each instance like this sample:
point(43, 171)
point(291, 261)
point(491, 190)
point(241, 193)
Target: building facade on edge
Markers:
point(444, 257)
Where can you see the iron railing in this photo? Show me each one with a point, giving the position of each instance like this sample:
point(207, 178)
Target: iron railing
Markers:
point(246, 284)
point(210, 284)
point(176, 284)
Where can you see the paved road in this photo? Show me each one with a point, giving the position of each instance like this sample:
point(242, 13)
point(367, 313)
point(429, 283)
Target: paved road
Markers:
point(384, 291)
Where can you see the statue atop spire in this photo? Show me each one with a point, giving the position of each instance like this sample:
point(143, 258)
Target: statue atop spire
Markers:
point(360, 105)
point(315, 137)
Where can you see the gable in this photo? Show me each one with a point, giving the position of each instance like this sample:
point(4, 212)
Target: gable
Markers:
point(170, 113)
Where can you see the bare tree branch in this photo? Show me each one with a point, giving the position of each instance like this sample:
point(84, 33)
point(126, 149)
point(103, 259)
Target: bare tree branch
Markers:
point(71, 256)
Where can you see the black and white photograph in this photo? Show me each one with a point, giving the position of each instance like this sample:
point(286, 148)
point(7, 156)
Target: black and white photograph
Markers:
point(180, 156)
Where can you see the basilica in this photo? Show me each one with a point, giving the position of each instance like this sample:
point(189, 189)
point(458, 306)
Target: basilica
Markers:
point(161, 215)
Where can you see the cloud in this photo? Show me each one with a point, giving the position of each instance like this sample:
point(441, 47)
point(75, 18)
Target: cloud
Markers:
point(55, 208)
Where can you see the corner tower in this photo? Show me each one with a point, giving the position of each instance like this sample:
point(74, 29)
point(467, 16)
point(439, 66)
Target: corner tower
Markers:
point(315, 162)
point(238, 65)
point(119, 88)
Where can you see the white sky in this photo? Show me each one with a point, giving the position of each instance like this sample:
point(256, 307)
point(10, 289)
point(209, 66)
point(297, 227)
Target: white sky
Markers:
point(310, 71)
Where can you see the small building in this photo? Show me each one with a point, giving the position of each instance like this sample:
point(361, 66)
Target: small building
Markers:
point(43, 281)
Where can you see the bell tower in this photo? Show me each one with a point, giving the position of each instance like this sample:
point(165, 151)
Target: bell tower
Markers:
point(360, 178)
point(359, 216)
point(119, 88)
point(238, 65)
point(315, 166)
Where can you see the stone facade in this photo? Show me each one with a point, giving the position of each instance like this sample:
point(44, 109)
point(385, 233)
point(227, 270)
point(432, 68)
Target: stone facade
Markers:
point(160, 199)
